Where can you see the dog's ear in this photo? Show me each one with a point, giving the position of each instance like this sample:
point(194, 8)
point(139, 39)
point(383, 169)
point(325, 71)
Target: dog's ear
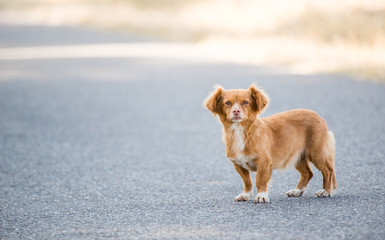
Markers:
point(259, 98)
point(213, 101)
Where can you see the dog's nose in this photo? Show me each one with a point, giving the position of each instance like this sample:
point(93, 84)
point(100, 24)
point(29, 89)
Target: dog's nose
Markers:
point(236, 111)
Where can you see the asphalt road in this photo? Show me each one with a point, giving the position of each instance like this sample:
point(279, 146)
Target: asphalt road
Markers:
point(121, 148)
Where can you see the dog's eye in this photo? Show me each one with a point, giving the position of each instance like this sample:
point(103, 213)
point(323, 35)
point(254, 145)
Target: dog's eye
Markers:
point(245, 102)
point(228, 103)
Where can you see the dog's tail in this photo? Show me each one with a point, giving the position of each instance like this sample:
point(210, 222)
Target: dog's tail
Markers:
point(331, 148)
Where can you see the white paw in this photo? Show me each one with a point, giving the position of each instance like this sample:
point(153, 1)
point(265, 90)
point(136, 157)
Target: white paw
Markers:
point(244, 197)
point(322, 193)
point(262, 197)
point(295, 192)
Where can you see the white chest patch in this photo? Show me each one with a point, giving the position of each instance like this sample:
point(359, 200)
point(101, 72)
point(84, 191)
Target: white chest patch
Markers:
point(244, 161)
point(239, 141)
point(238, 146)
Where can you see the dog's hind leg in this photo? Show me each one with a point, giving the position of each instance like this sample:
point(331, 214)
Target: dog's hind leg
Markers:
point(304, 169)
point(328, 179)
point(324, 161)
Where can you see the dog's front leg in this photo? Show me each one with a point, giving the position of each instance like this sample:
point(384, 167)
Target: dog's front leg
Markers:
point(264, 172)
point(248, 189)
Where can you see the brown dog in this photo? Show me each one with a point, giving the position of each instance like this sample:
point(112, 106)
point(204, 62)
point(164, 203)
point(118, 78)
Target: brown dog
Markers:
point(295, 137)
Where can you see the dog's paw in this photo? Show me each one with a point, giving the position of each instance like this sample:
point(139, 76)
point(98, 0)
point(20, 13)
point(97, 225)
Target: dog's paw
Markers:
point(244, 197)
point(322, 193)
point(295, 192)
point(262, 197)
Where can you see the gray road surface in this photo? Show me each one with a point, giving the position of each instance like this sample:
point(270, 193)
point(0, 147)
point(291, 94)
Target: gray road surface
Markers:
point(120, 148)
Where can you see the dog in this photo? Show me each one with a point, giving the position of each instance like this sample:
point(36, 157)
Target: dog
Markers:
point(292, 138)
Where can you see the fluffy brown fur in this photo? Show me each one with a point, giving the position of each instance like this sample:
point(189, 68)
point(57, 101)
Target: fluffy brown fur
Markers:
point(295, 137)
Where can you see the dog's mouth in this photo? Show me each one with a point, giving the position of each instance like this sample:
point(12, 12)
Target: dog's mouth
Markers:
point(236, 119)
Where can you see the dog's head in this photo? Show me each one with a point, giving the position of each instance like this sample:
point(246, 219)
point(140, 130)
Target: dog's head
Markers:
point(237, 105)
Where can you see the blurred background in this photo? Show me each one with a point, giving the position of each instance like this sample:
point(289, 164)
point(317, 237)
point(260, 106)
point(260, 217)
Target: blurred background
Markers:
point(103, 134)
point(303, 36)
